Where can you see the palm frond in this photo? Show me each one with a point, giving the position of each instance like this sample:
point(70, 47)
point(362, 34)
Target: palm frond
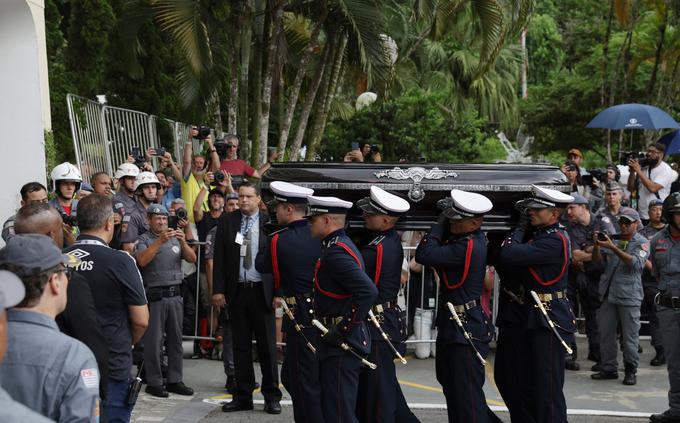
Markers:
point(492, 22)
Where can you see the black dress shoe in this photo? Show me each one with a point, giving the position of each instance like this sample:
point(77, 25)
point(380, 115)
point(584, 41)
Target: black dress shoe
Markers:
point(234, 405)
point(602, 375)
point(179, 388)
point(664, 417)
point(596, 368)
point(157, 391)
point(659, 358)
point(273, 407)
point(571, 365)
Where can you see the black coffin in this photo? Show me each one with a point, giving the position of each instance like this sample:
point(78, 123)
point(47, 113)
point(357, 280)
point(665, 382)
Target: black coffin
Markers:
point(423, 185)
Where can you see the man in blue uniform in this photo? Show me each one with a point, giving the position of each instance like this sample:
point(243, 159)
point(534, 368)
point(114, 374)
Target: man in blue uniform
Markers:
point(343, 296)
point(665, 256)
point(380, 397)
point(456, 247)
point(543, 259)
point(290, 256)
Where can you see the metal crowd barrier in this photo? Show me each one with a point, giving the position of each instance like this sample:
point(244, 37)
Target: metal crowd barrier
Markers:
point(103, 135)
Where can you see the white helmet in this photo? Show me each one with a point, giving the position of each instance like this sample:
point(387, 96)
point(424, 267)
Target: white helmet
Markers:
point(66, 172)
point(146, 178)
point(126, 169)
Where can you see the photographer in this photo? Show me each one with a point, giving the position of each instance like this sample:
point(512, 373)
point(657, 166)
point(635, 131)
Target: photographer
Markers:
point(194, 167)
point(582, 283)
point(367, 153)
point(231, 164)
point(159, 253)
point(621, 296)
point(651, 178)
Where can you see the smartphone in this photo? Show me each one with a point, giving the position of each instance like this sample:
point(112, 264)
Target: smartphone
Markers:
point(173, 222)
point(355, 146)
point(159, 152)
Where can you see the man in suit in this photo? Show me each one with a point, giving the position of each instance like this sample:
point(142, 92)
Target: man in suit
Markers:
point(250, 296)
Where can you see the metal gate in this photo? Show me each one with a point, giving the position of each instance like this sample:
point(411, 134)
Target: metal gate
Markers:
point(104, 135)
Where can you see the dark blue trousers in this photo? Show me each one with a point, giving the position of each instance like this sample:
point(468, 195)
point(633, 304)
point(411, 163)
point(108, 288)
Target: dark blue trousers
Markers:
point(545, 365)
point(462, 376)
point(300, 376)
point(509, 373)
point(115, 408)
point(380, 396)
point(339, 378)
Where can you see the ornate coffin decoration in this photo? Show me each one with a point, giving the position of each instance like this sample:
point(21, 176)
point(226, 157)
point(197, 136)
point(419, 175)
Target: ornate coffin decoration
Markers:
point(417, 174)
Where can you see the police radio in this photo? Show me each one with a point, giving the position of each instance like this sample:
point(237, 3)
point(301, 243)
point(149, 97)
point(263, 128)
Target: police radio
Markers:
point(135, 387)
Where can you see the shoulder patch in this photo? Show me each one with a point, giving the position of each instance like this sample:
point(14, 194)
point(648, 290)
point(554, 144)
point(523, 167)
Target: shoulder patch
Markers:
point(643, 253)
point(90, 378)
point(645, 246)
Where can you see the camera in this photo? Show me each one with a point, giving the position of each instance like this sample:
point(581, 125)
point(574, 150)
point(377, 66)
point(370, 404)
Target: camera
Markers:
point(138, 155)
point(222, 149)
point(598, 173)
point(159, 152)
point(181, 213)
point(69, 220)
point(219, 176)
point(203, 132)
point(375, 149)
point(640, 157)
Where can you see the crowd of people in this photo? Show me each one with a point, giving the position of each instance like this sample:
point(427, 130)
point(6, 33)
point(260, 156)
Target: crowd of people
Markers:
point(125, 248)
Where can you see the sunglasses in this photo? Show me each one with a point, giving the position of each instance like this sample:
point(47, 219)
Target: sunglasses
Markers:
point(231, 146)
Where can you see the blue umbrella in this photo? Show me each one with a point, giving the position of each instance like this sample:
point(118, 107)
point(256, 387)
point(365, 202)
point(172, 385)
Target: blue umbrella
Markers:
point(672, 142)
point(633, 116)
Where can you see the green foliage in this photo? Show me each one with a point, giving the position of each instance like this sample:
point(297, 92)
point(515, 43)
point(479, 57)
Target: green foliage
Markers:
point(51, 158)
point(414, 127)
point(544, 47)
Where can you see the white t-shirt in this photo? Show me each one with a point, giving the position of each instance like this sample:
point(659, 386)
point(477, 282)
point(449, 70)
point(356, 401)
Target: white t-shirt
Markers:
point(663, 175)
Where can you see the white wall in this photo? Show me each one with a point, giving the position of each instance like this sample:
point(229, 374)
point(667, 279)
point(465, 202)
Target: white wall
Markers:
point(24, 99)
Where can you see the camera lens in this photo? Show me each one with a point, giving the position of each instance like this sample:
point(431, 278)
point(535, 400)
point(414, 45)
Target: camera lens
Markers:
point(219, 176)
point(181, 213)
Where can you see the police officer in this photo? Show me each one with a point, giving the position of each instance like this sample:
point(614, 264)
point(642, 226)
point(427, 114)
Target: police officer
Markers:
point(456, 247)
point(159, 253)
point(343, 296)
point(380, 396)
point(543, 260)
point(124, 199)
point(651, 285)
point(583, 278)
point(613, 197)
point(620, 290)
point(135, 221)
point(665, 256)
point(12, 291)
point(290, 255)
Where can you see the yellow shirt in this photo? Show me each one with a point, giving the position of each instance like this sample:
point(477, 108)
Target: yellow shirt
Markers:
point(190, 189)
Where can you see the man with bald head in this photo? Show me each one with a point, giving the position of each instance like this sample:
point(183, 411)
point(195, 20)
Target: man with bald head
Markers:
point(79, 319)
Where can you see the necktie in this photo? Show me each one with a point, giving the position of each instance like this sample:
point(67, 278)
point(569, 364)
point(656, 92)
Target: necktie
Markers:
point(248, 259)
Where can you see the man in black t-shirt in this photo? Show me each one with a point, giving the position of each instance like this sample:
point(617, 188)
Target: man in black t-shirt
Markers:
point(119, 296)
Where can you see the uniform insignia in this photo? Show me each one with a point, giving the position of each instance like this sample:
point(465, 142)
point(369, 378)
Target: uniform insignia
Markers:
point(643, 253)
point(645, 247)
point(606, 219)
point(175, 249)
point(90, 378)
point(377, 240)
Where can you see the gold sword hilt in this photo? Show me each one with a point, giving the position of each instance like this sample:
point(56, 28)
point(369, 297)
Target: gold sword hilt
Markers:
point(344, 345)
point(374, 319)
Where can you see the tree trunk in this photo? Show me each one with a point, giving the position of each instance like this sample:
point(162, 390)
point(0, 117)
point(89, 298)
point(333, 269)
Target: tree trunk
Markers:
point(657, 58)
point(297, 84)
point(605, 54)
point(232, 114)
point(257, 103)
point(309, 102)
point(322, 116)
point(276, 8)
point(245, 41)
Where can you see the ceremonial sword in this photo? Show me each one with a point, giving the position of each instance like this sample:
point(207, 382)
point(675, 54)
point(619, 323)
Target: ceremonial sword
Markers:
point(385, 337)
point(297, 327)
point(538, 302)
point(344, 345)
point(465, 332)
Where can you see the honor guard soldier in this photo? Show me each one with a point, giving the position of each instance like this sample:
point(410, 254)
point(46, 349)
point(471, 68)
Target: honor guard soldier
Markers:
point(159, 253)
point(343, 296)
point(543, 257)
point(290, 256)
point(665, 256)
point(135, 222)
point(380, 396)
point(456, 247)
